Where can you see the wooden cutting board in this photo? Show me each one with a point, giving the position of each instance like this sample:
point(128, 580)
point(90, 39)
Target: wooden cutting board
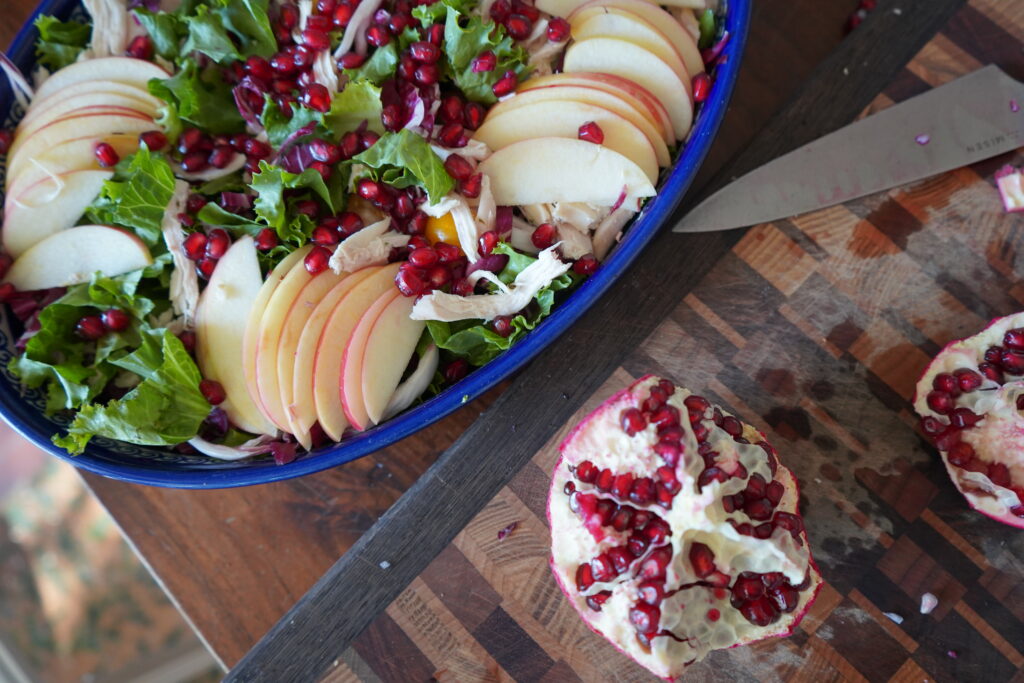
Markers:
point(815, 330)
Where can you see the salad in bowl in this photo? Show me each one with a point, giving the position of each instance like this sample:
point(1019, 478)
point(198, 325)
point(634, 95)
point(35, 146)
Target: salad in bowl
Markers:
point(248, 230)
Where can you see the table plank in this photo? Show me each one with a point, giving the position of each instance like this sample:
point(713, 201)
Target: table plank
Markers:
point(231, 578)
point(394, 552)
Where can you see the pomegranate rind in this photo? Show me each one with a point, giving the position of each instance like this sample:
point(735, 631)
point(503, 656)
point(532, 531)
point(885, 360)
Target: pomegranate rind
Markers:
point(696, 517)
point(998, 438)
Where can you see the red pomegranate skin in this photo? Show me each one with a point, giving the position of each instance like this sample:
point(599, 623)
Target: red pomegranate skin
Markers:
point(716, 557)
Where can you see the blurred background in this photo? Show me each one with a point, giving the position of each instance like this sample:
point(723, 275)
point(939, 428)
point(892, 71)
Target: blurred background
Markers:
point(76, 604)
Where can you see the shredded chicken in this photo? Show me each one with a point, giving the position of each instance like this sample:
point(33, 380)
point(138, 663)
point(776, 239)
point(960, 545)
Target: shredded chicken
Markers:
point(508, 301)
point(542, 52)
point(211, 173)
point(521, 236)
point(574, 243)
point(246, 450)
point(325, 71)
point(442, 207)
point(368, 247)
point(413, 387)
point(110, 20)
point(607, 233)
point(467, 229)
point(184, 283)
point(486, 208)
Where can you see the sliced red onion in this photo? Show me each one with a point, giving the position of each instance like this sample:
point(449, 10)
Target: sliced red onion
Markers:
point(299, 160)
point(251, 84)
point(503, 220)
point(235, 201)
point(492, 263)
point(221, 452)
point(284, 452)
point(711, 54)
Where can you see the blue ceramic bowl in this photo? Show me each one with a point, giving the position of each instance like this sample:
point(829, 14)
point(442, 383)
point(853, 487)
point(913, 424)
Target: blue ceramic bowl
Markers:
point(23, 409)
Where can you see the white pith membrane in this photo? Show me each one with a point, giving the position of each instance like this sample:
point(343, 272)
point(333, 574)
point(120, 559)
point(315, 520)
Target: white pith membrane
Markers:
point(697, 612)
point(977, 426)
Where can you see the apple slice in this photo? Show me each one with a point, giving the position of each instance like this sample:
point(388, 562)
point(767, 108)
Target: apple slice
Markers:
point(389, 348)
point(352, 366)
point(73, 155)
point(562, 119)
point(45, 208)
point(108, 114)
point(653, 14)
point(591, 96)
point(542, 170)
point(251, 339)
point(612, 22)
point(224, 307)
point(136, 72)
point(622, 88)
point(302, 409)
point(83, 87)
point(333, 341)
point(287, 347)
point(623, 58)
point(84, 104)
point(27, 147)
point(72, 257)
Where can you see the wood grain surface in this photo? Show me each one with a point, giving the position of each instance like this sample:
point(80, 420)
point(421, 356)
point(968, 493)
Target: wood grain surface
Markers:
point(235, 561)
point(815, 329)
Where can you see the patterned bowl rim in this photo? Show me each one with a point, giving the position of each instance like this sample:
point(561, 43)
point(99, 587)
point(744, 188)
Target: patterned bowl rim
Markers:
point(154, 466)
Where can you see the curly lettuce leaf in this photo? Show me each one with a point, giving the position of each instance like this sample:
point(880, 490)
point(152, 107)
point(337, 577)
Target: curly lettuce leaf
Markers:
point(166, 408)
point(279, 127)
point(404, 159)
point(223, 30)
point(137, 196)
point(165, 29)
point(60, 42)
point(379, 67)
point(358, 102)
point(475, 340)
point(199, 96)
point(465, 37)
point(433, 13)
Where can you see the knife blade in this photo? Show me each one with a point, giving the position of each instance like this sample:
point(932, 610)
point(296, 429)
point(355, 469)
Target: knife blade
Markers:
point(973, 118)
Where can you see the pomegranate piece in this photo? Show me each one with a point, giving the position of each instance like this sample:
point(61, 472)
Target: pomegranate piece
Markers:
point(970, 400)
point(667, 572)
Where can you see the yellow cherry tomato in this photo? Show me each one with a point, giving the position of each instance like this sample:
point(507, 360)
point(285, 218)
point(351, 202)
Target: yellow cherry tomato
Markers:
point(442, 230)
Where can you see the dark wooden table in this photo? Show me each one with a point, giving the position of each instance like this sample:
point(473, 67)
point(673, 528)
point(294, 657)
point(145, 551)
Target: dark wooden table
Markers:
point(236, 561)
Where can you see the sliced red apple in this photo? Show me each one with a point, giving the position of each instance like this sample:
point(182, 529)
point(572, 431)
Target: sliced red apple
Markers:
point(78, 128)
point(223, 310)
point(389, 348)
point(302, 410)
point(83, 87)
point(73, 155)
point(563, 118)
point(625, 59)
point(333, 341)
point(295, 321)
point(73, 256)
point(650, 11)
point(542, 170)
point(136, 72)
point(88, 104)
point(46, 207)
point(106, 116)
point(612, 22)
point(352, 365)
point(251, 339)
point(623, 88)
point(598, 98)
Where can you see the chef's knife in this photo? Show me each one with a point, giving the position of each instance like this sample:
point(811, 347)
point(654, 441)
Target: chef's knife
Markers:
point(973, 118)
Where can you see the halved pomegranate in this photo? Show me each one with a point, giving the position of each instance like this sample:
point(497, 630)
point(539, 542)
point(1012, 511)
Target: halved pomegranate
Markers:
point(970, 400)
point(675, 530)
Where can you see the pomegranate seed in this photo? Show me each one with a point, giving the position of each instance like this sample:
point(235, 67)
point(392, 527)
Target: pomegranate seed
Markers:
point(999, 474)
point(283, 64)
point(1014, 339)
point(325, 7)
point(342, 15)
point(701, 87)
point(518, 26)
point(622, 484)
point(488, 241)
point(544, 236)
point(666, 416)
point(266, 239)
point(319, 22)
point(947, 438)
point(775, 492)
point(452, 135)
point(317, 97)
point(930, 426)
point(188, 340)
point(946, 383)
point(324, 151)
point(528, 11)
point(221, 156)
point(645, 618)
point(595, 601)
point(90, 327)
point(558, 30)
point(584, 577)
point(621, 559)
point(632, 421)
point(991, 372)
point(6, 138)
point(154, 140)
point(217, 243)
point(257, 149)
point(458, 167)
point(206, 266)
point(642, 492)
point(115, 320)
point(368, 189)
point(212, 391)
point(500, 10)
point(392, 117)
point(288, 16)
point(106, 155)
point(456, 370)
point(709, 475)
point(964, 418)
point(141, 47)
point(451, 109)
point(484, 62)
point(1012, 362)
point(967, 380)
point(702, 559)
point(425, 52)
point(195, 246)
point(190, 139)
point(398, 22)
point(732, 426)
point(585, 265)
point(316, 261)
point(320, 167)
point(789, 522)
point(427, 74)
point(760, 612)
point(636, 544)
point(506, 85)
point(591, 132)
point(259, 67)
point(378, 36)
point(651, 592)
point(960, 454)
point(667, 477)
point(410, 282)
point(502, 325)
point(315, 39)
point(940, 402)
point(195, 162)
point(351, 60)
point(435, 34)
point(471, 186)
point(657, 562)
point(324, 236)
point(669, 451)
